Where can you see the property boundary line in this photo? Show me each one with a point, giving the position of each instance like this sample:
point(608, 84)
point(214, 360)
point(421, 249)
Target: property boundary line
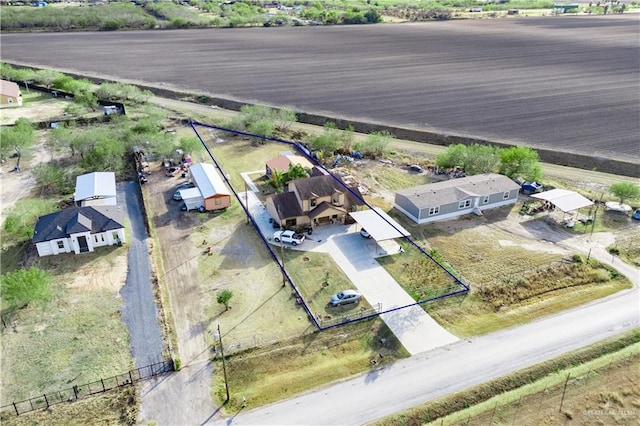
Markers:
point(464, 287)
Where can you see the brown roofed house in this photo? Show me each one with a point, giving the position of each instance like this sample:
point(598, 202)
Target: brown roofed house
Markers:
point(314, 201)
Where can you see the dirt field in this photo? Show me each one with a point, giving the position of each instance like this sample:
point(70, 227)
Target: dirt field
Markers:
point(563, 83)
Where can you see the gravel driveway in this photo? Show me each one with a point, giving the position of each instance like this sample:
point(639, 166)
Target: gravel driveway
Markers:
point(139, 312)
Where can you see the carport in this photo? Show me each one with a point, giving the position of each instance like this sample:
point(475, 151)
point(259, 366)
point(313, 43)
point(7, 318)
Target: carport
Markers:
point(565, 200)
point(381, 227)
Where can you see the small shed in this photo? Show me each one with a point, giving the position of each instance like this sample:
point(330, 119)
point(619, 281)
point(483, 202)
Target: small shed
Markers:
point(10, 95)
point(214, 192)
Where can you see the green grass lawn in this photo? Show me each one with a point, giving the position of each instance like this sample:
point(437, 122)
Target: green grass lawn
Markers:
point(289, 367)
point(317, 277)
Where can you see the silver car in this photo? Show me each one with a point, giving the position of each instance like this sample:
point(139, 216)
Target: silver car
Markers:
point(345, 297)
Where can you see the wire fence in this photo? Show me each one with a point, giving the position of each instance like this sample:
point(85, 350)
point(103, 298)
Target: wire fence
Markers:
point(523, 271)
point(602, 395)
point(85, 390)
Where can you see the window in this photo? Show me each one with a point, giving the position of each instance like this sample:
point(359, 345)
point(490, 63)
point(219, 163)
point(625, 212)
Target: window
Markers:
point(115, 236)
point(485, 200)
point(60, 244)
point(506, 195)
point(313, 202)
point(464, 204)
point(434, 210)
point(218, 201)
point(102, 237)
point(335, 199)
point(95, 237)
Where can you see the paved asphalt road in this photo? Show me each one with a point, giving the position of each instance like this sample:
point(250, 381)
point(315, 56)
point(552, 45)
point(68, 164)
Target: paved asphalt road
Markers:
point(450, 369)
point(446, 370)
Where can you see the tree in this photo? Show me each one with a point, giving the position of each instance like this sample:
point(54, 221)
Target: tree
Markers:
point(625, 191)
point(454, 156)
point(46, 77)
point(277, 180)
point(17, 138)
point(264, 127)
point(376, 144)
point(296, 171)
point(520, 161)
point(481, 159)
point(190, 145)
point(52, 179)
point(25, 286)
point(224, 297)
point(285, 118)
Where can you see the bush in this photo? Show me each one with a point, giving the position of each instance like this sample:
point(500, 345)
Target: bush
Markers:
point(25, 286)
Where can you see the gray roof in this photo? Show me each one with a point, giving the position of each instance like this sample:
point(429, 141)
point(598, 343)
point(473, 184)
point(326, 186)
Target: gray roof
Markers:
point(73, 220)
point(287, 205)
point(454, 190)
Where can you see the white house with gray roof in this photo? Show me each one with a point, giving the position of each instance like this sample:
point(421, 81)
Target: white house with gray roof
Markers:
point(79, 230)
point(456, 197)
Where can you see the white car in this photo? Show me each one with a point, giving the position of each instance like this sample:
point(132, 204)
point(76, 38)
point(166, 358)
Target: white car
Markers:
point(617, 207)
point(288, 237)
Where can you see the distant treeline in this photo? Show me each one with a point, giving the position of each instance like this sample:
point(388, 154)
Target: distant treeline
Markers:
point(147, 14)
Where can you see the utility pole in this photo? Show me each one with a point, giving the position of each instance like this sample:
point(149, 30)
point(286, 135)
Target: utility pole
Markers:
point(224, 366)
point(595, 213)
point(284, 283)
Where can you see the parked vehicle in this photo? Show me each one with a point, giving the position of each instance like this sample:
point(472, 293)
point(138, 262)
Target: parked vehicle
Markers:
point(345, 297)
point(183, 207)
point(288, 237)
point(614, 206)
point(416, 168)
point(177, 196)
point(364, 233)
point(636, 215)
point(531, 188)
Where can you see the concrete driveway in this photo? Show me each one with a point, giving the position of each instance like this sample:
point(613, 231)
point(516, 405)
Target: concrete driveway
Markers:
point(355, 255)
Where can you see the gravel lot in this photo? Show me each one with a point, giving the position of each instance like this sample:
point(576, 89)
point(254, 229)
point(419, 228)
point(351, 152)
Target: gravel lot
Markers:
point(564, 83)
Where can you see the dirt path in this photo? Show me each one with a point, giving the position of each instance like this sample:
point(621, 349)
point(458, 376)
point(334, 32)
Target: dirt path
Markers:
point(17, 185)
point(183, 397)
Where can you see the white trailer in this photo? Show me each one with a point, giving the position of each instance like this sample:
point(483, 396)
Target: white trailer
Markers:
point(192, 199)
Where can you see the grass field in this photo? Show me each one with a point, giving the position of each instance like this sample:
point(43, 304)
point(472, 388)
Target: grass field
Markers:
point(272, 373)
point(77, 337)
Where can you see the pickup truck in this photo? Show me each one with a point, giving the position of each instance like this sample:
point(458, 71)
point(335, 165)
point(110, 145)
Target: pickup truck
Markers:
point(288, 237)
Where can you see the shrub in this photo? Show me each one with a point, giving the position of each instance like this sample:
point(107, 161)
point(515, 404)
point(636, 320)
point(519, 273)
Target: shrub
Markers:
point(224, 297)
point(25, 286)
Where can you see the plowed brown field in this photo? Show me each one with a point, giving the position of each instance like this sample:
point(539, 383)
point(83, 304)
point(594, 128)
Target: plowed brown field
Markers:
point(562, 83)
